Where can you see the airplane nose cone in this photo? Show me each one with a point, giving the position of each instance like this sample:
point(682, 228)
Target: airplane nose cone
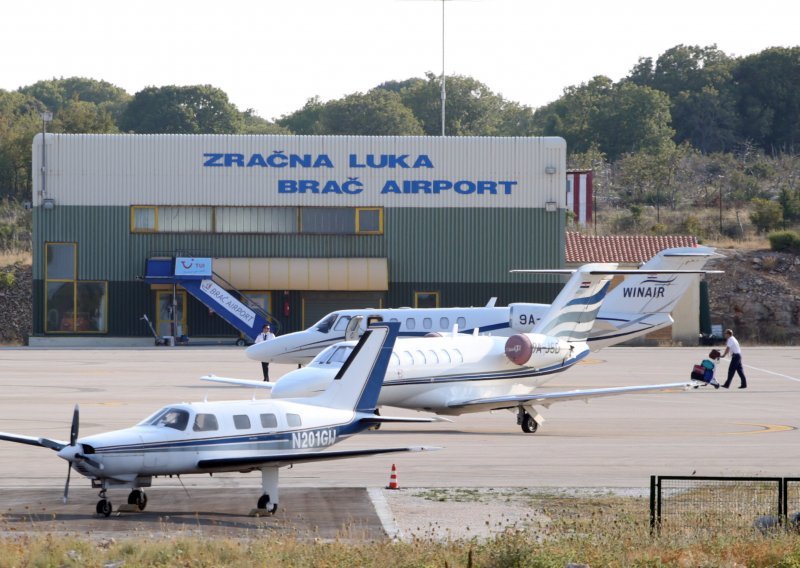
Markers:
point(68, 453)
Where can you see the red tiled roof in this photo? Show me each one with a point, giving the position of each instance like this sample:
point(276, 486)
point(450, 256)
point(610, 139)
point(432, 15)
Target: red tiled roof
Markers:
point(621, 248)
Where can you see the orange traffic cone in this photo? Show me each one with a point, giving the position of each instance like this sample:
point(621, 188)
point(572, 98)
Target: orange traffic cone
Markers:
point(393, 479)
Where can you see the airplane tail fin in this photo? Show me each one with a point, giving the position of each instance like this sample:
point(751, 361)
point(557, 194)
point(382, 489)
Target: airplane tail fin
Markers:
point(358, 383)
point(572, 314)
point(652, 293)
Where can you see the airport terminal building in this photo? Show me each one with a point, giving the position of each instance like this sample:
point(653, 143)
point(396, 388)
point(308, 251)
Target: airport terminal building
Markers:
point(297, 225)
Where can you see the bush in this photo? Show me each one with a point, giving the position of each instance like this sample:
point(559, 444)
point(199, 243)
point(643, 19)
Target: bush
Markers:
point(784, 241)
point(7, 279)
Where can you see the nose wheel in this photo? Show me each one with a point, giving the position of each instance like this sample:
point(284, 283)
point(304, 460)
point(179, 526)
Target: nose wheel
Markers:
point(103, 507)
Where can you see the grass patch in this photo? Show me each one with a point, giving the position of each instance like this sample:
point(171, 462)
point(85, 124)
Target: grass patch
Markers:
point(600, 529)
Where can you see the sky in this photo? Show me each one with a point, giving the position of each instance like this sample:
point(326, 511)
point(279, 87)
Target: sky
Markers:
point(272, 56)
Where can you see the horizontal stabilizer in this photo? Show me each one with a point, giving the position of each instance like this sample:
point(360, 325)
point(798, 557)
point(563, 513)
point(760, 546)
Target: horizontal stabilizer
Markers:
point(546, 399)
point(623, 271)
point(287, 459)
point(238, 382)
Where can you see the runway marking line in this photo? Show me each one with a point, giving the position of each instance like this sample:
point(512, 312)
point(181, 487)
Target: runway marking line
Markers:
point(763, 429)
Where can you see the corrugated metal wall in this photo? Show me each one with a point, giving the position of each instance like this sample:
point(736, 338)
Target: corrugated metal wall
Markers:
point(125, 169)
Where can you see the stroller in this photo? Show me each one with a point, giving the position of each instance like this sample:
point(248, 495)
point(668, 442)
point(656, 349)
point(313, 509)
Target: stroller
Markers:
point(704, 372)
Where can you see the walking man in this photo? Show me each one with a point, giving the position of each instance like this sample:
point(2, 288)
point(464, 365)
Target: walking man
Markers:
point(732, 346)
point(265, 335)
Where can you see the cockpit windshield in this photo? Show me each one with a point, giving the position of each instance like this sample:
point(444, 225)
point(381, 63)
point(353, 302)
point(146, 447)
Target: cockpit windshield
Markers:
point(340, 355)
point(175, 418)
point(324, 325)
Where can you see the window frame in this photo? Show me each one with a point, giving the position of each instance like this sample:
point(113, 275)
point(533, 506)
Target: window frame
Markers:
point(419, 293)
point(359, 231)
point(134, 208)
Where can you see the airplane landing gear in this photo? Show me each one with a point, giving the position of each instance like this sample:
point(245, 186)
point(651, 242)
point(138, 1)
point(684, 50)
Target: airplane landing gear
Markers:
point(527, 422)
point(103, 507)
point(139, 498)
point(265, 504)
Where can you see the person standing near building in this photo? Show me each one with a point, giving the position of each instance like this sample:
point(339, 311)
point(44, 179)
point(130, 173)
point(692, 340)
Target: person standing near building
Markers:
point(732, 346)
point(265, 335)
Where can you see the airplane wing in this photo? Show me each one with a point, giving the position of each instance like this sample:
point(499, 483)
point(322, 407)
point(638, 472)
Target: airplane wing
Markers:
point(546, 399)
point(402, 419)
point(33, 441)
point(286, 459)
point(238, 382)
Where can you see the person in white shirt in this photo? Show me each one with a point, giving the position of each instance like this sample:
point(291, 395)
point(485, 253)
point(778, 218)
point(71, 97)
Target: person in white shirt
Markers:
point(732, 346)
point(265, 335)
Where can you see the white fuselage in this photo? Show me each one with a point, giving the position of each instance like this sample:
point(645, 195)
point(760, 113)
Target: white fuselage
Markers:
point(431, 373)
point(178, 437)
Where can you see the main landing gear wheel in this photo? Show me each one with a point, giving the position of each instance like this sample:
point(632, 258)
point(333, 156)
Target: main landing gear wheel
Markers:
point(528, 424)
point(139, 498)
point(263, 503)
point(104, 508)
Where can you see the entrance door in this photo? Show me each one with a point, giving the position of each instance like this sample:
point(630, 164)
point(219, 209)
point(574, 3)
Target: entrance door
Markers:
point(164, 313)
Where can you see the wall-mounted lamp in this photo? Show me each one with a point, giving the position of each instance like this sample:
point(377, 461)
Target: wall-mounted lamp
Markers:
point(551, 206)
point(550, 170)
point(48, 203)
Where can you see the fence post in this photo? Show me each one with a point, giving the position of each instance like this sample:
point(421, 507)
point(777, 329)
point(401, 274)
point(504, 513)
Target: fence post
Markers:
point(653, 524)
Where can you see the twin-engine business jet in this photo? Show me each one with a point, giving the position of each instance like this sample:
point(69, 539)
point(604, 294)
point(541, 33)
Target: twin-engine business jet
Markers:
point(640, 305)
point(243, 436)
point(458, 374)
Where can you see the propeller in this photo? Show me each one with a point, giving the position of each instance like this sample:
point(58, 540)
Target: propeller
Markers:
point(73, 438)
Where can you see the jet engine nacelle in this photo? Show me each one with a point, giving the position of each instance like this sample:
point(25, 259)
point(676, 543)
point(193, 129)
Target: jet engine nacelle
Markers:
point(304, 382)
point(536, 350)
point(522, 317)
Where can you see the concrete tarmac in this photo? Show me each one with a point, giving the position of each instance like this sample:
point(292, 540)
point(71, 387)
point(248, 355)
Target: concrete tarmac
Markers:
point(611, 443)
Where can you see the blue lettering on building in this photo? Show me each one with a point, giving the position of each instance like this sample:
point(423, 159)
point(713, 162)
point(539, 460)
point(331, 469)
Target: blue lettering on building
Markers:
point(352, 186)
point(462, 187)
point(390, 161)
point(277, 159)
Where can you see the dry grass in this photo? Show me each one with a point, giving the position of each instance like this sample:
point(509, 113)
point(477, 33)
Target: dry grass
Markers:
point(9, 258)
point(603, 530)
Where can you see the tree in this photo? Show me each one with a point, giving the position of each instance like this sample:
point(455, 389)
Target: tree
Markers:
point(376, 113)
point(83, 117)
point(19, 123)
point(471, 108)
point(766, 215)
point(254, 124)
point(56, 94)
point(768, 98)
point(197, 109)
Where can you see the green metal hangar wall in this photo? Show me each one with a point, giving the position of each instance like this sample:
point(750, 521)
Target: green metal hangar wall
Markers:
point(301, 224)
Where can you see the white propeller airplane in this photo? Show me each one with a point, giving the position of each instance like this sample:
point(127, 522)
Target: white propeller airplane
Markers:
point(241, 435)
point(640, 305)
point(459, 374)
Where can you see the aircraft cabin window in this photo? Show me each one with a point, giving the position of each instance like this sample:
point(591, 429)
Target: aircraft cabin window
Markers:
point(324, 325)
point(427, 323)
point(205, 423)
point(419, 357)
point(293, 420)
point(171, 418)
point(341, 325)
point(432, 357)
point(394, 319)
point(269, 421)
point(458, 357)
point(444, 356)
point(241, 421)
point(394, 360)
point(411, 323)
point(444, 323)
point(407, 358)
point(373, 320)
point(462, 324)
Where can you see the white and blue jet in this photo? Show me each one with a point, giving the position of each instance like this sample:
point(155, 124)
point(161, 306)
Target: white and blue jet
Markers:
point(640, 305)
point(458, 374)
point(240, 435)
